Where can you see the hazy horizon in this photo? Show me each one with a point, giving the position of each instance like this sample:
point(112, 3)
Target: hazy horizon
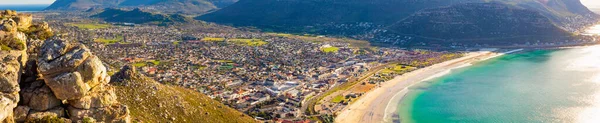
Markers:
point(589, 3)
point(25, 2)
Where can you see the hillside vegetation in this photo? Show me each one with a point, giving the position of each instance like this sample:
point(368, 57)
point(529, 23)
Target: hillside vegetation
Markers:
point(152, 102)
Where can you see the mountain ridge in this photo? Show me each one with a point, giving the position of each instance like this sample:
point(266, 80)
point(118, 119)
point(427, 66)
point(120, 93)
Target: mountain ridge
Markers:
point(166, 6)
point(140, 17)
point(358, 18)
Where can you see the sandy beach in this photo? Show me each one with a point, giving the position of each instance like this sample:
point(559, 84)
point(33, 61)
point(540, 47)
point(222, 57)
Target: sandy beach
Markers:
point(380, 104)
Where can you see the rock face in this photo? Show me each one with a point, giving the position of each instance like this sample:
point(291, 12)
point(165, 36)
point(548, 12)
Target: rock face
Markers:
point(12, 60)
point(53, 79)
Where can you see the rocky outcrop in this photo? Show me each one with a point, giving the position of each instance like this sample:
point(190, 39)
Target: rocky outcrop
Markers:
point(127, 72)
point(12, 60)
point(53, 79)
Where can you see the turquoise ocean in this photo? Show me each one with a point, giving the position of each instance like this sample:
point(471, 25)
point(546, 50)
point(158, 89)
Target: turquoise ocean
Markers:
point(526, 87)
point(24, 8)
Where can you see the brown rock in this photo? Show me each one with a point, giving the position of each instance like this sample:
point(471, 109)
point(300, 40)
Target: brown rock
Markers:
point(20, 113)
point(43, 99)
point(28, 90)
point(55, 112)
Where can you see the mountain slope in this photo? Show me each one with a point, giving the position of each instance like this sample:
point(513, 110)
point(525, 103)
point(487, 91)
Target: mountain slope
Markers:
point(82, 4)
point(152, 102)
point(138, 16)
point(263, 13)
point(365, 19)
point(477, 21)
point(166, 6)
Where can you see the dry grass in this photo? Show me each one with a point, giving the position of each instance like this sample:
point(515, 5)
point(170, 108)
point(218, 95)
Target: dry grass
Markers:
point(153, 102)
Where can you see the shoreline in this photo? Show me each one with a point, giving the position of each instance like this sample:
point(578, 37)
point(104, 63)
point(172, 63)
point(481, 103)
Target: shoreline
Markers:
point(376, 105)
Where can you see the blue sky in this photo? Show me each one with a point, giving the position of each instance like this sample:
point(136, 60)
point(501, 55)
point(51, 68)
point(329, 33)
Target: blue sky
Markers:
point(5, 2)
point(589, 3)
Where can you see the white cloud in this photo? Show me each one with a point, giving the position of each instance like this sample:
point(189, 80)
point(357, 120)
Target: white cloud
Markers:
point(591, 3)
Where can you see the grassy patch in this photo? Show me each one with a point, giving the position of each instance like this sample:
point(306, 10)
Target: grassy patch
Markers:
point(213, 39)
point(155, 62)
point(224, 61)
point(248, 42)
point(118, 39)
point(89, 25)
point(338, 99)
point(330, 49)
point(145, 63)
point(398, 68)
point(280, 34)
point(5, 48)
point(140, 64)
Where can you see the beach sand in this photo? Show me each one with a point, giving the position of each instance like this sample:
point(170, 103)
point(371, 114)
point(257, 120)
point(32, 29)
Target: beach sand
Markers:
point(381, 104)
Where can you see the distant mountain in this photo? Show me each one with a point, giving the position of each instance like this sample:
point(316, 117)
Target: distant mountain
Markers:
point(309, 12)
point(478, 22)
point(82, 4)
point(139, 17)
point(163, 6)
point(356, 17)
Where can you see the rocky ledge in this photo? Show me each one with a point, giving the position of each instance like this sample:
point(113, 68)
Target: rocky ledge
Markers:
point(43, 78)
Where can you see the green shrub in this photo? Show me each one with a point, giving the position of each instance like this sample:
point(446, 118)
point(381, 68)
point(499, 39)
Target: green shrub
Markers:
point(47, 119)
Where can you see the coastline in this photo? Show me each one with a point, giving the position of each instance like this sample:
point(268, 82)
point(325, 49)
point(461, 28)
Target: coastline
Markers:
point(376, 106)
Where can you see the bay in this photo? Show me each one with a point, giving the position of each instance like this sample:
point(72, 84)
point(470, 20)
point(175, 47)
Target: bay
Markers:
point(532, 86)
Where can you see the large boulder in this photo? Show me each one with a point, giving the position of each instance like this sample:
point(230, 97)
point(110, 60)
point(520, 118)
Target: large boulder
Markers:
point(70, 70)
point(68, 86)
point(93, 72)
point(53, 62)
point(99, 97)
point(20, 113)
point(55, 112)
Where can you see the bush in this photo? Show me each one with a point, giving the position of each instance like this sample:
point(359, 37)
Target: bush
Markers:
point(88, 120)
point(47, 119)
